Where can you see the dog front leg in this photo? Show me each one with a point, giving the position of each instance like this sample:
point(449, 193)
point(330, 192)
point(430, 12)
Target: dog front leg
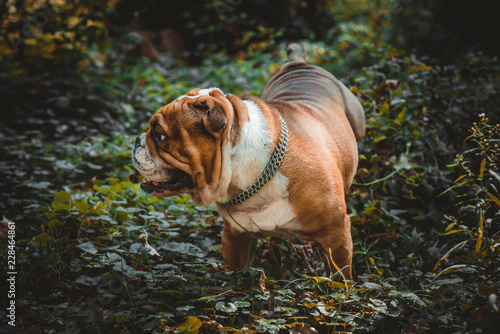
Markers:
point(238, 248)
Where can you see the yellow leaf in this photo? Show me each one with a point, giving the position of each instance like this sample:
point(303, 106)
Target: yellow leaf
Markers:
point(190, 326)
point(376, 140)
point(481, 170)
point(61, 202)
point(452, 187)
point(480, 254)
point(339, 285)
point(400, 117)
point(82, 207)
point(452, 232)
point(479, 240)
point(103, 191)
point(457, 246)
point(320, 279)
point(355, 90)
point(449, 269)
point(493, 198)
point(113, 180)
point(228, 328)
point(340, 271)
point(384, 109)
point(309, 305)
point(43, 239)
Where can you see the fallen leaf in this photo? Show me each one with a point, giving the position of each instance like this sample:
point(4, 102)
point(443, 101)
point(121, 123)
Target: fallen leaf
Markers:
point(262, 282)
point(143, 239)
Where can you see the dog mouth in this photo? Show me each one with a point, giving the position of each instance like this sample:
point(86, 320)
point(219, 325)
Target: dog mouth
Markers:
point(179, 180)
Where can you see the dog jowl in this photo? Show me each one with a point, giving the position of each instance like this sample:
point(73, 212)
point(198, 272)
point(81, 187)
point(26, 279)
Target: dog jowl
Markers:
point(279, 165)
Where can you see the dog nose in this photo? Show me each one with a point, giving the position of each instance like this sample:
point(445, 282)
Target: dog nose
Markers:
point(137, 141)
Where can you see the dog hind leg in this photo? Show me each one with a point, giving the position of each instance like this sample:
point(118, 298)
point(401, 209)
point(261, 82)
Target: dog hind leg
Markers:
point(336, 246)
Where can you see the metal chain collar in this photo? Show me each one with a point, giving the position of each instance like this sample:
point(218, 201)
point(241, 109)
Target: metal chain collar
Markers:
point(270, 170)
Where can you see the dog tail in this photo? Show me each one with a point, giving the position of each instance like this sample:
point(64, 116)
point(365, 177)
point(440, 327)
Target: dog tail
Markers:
point(296, 52)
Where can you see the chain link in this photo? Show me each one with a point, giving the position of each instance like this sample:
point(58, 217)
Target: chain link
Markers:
point(269, 171)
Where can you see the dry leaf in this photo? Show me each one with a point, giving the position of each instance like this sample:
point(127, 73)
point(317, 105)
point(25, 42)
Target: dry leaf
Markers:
point(262, 282)
point(143, 239)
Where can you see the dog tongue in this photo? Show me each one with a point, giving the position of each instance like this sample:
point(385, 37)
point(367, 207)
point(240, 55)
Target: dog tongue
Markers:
point(149, 181)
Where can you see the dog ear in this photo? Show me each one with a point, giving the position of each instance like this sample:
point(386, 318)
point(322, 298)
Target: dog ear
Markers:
point(214, 117)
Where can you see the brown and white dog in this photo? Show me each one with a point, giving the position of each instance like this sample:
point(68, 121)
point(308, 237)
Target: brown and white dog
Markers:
point(214, 146)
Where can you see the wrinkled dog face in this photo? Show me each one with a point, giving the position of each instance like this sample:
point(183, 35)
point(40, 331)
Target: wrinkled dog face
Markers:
point(161, 180)
point(172, 155)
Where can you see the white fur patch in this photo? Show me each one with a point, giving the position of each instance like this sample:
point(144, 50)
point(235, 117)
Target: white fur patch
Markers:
point(248, 159)
point(142, 155)
point(146, 164)
point(276, 216)
point(202, 92)
point(251, 154)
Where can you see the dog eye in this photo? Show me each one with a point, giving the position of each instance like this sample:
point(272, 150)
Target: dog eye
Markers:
point(159, 137)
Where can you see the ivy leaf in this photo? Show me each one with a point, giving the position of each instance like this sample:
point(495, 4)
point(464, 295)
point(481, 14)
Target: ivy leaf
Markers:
point(82, 207)
point(229, 308)
point(38, 185)
point(64, 165)
point(88, 247)
point(44, 239)
point(61, 202)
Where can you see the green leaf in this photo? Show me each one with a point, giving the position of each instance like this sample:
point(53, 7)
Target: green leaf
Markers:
point(452, 187)
point(457, 246)
point(451, 268)
point(88, 247)
point(54, 223)
point(229, 308)
point(185, 308)
point(101, 190)
point(240, 303)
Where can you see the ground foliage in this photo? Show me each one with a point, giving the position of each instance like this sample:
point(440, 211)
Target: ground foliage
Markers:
point(424, 206)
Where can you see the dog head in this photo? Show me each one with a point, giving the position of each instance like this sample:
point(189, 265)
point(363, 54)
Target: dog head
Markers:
point(184, 150)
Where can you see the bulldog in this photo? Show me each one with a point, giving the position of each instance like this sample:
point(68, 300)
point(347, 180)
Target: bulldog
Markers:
point(279, 165)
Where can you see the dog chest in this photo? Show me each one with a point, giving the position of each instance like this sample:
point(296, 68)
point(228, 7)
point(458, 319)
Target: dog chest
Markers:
point(276, 218)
